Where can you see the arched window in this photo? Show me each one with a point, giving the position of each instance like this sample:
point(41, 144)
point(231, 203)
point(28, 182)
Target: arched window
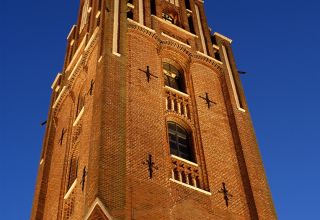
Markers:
point(167, 17)
point(173, 77)
point(180, 141)
point(171, 16)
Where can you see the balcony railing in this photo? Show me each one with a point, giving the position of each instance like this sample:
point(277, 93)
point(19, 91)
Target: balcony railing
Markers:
point(177, 102)
point(185, 171)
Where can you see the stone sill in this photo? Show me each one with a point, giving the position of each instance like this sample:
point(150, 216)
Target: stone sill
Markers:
point(59, 97)
point(184, 160)
point(191, 187)
point(94, 34)
point(75, 68)
point(54, 84)
point(70, 190)
point(78, 117)
point(176, 91)
point(223, 37)
point(75, 55)
point(72, 29)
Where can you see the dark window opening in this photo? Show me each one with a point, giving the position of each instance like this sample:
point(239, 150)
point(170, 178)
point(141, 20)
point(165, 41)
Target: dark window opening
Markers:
point(168, 18)
point(191, 26)
point(188, 6)
point(130, 13)
point(213, 40)
point(173, 77)
point(99, 5)
point(180, 141)
point(217, 56)
point(153, 7)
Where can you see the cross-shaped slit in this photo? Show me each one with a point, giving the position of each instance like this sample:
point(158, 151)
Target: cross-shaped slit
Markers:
point(225, 193)
point(62, 136)
point(151, 165)
point(208, 101)
point(148, 73)
point(84, 175)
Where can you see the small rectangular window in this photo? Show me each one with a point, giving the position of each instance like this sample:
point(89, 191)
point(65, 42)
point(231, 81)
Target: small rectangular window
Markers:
point(153, 7)
point(99, 5)
point(188, 4)
point(191, 26)
point(130, 13)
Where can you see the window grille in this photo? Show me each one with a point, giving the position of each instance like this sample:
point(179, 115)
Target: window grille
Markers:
point(180, 141)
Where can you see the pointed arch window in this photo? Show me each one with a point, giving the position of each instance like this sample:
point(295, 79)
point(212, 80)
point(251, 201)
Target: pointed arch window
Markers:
point(180, 141)
point(173, 77)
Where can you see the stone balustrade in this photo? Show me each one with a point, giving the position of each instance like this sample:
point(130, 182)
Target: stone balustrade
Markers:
point(177, 102)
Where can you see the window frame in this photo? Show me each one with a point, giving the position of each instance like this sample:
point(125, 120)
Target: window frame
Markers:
point(168, 17)
point(183, 140)
point(176, 82)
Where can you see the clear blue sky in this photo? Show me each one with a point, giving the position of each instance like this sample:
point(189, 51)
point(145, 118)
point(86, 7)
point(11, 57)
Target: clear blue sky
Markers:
point(276, 42)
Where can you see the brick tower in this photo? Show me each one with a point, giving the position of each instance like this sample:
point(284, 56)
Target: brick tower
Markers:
point(148, 120)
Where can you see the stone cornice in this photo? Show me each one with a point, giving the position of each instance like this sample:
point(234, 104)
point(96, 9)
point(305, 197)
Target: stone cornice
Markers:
point(170, 43)
point(196, 57)
point(224, 38)
point(209, 61)
point(144, 30)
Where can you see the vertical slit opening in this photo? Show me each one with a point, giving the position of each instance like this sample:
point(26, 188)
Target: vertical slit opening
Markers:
point(191, 26)
point(153, 7)
point(130, 14)
point(188, 6)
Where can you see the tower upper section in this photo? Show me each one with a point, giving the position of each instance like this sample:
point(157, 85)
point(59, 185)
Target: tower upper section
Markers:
point(182, 21)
